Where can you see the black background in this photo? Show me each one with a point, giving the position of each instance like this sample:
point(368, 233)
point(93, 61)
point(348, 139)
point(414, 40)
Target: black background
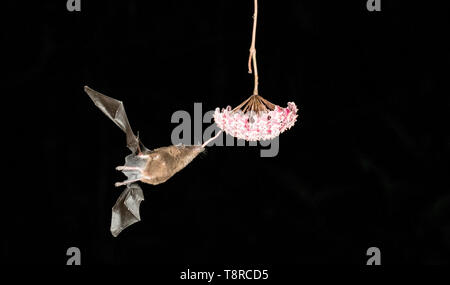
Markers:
point(366, 164)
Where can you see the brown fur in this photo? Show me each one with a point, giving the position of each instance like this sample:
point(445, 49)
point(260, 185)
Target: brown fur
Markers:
point(164, 162)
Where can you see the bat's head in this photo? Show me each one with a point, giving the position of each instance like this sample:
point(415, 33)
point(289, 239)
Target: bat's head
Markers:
point(164, 162)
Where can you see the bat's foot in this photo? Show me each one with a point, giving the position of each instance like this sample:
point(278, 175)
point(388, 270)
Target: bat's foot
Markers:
point(128, 168)
point(134, 168)
point(126, 182)
point(133, 173)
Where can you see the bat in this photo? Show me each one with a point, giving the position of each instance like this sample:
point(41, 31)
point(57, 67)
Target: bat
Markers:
point(142, 165)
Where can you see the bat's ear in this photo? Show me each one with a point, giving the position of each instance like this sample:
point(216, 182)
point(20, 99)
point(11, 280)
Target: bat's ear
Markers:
point(126, 210)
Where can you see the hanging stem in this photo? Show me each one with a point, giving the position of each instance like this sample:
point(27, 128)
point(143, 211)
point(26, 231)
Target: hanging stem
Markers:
point(252, 57)
point(255, 102)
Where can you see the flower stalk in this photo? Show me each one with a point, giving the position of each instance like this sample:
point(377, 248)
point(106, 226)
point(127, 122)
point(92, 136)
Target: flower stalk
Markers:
point(252, 57)
point(256, 118)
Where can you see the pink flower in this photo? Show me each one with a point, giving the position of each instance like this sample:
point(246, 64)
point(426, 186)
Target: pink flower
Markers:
point(255, 126)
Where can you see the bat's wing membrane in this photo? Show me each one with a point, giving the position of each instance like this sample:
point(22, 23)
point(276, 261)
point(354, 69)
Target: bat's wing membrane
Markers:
point(116, 112)
point(126, 210)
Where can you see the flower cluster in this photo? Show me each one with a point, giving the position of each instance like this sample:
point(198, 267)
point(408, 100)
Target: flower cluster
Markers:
point(255, 126)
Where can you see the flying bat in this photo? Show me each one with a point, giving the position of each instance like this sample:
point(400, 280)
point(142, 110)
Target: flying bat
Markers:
point(142, 165)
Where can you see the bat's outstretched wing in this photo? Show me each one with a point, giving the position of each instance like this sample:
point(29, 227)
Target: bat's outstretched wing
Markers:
point(126, 210)
point(116, 112)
